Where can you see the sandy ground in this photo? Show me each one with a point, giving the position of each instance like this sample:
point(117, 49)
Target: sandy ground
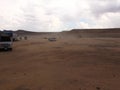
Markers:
point(70, 63)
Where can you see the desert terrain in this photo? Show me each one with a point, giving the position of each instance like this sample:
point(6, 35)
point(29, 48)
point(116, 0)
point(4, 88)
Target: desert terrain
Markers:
point(77, 60)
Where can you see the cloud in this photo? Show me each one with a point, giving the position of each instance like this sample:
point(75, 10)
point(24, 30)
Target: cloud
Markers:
point(58, 15)
point(99, 7)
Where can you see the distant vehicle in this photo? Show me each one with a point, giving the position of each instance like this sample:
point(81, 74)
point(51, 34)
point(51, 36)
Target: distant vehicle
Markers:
point(52, 39)
point(6, 40)
point(14, 37)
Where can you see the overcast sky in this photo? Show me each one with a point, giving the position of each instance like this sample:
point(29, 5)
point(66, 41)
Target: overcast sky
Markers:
point(59, 15)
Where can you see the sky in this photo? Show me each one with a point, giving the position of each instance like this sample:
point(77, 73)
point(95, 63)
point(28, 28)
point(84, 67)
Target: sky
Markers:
point(59, 15)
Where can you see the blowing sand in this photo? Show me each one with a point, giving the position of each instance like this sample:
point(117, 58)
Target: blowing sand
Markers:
point(69, 63)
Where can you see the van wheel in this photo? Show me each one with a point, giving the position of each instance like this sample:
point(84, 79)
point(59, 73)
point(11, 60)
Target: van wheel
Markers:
point(10, 49)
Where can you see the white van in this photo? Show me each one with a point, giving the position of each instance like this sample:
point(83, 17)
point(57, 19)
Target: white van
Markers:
point(5, 41)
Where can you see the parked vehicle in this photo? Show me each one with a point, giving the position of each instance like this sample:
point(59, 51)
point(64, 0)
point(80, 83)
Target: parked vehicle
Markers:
point(6, 40)
point(52, 39)
point(12, 34)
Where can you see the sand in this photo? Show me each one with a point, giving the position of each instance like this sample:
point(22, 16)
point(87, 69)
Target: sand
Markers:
point(69, 63)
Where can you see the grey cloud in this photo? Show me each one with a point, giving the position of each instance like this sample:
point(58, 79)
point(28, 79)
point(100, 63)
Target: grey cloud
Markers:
point(106, 6)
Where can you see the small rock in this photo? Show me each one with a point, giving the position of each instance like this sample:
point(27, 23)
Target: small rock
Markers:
point(24, 73)
point(98, 88)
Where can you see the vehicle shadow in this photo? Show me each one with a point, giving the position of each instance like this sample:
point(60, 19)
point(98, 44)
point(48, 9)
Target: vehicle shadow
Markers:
point(3, 50)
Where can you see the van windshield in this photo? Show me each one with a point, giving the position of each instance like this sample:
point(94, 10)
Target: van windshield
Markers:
point(5, 39)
